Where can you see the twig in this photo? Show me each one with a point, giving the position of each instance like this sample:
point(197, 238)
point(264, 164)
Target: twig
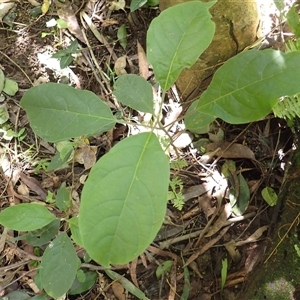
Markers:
point(7, 57)
point(169, 242)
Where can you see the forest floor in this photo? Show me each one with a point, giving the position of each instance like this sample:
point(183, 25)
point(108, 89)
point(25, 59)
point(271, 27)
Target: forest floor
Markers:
point(204, 231)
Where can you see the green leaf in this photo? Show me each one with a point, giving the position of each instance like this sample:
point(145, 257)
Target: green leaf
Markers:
point(73, 47)
point(122, 34)
point(4, 115)
point(176, 39)
point(60, 54)
point(59, 112)
point(59, 266)
point(279, 4)
point(240, 205)
point(80, 287)
point(65, 149)
point(269, 195)
point(246, 88)
point(293, 20)
point(80, 276)
point(2, 79)
point(16, 295)
point(187, 284)
point(164, 268)
point(124, 200)
point(40, 297)
point(73, 223)
point(62, 24)
point(43, 235)
point(10, 87)
point(26, 217)
point(63, 198)
point(134, 91)
point(136, 4)
point(57, 163)
point(65, 61)
point(152, 2)
point(224, 271)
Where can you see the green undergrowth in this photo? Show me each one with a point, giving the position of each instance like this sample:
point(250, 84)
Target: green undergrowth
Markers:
point(124, 199)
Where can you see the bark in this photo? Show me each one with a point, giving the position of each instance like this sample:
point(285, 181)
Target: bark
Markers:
point(237, 26)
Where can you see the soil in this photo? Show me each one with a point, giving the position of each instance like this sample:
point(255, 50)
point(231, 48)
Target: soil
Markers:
point(242, 240)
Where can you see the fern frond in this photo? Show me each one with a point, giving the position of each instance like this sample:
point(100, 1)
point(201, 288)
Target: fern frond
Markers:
point(288, 107)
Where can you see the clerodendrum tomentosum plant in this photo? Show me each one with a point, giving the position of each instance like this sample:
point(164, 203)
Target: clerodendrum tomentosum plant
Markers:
point(124, 199)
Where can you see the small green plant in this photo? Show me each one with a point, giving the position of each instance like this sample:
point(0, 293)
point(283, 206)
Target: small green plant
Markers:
point(175, 193)
point(66, 56)
point(136, 4)
point(123, 201)
point(224, 271)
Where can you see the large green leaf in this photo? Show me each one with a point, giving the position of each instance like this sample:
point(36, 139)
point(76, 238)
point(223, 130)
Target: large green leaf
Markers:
point(59, 112)
point(246, 88)
point(134, 91)
point(26, 217)
point(124, 200)
point(59, 266)
point(177, 37)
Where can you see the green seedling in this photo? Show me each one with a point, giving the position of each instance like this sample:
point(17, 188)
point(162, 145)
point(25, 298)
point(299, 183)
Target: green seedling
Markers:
point(66, 56)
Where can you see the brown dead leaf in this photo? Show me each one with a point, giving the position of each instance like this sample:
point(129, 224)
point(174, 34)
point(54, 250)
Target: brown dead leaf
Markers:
point(229, 150)
point(225, 213)
point(118, 290)
point(109, 22)
point(132, 271)
point(86, 155)
point(117, 5)
point(120, 65)
point(66, 13)
point(33, 185)
point(3, 238)
point(23, 190)
point(233, 250)
point(143, 62)
point(5, 8)
point(33, 2)
point(256, 255)
point(205, 204)
point(207, 246)
point(253, 237)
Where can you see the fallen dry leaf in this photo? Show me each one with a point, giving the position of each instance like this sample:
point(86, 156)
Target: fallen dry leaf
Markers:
point(143, 62)
point(23, 190)
point(120, 65)
point(33, 185)
point(225, 213)
point(32, 2)
point(86, 155)
point(233, 250)
point(253, 237)
point(66, 13)
point(229, 150)
point(5, 8)
point(118, 290)
point(117, 5)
